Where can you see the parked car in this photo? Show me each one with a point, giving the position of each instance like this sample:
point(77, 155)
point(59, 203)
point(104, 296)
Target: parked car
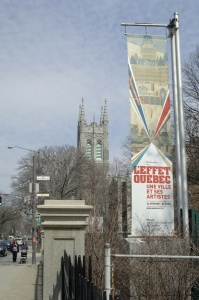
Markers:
point(3, 249)
point(7, 244)
point(18, 240)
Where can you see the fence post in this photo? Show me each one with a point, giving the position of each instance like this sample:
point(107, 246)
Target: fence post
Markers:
point(107, 269)
point(63, 278)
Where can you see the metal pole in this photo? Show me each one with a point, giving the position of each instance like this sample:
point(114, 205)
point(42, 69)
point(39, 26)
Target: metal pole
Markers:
point(107, 269)
point(34, 196)
point(156, 256)
point(176, 127)
point(144, 24)
point(34, 212)
point(182, 147)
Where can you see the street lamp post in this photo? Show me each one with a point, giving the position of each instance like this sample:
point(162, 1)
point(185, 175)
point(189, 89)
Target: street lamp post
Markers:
point(34, 212)
point(34, 204)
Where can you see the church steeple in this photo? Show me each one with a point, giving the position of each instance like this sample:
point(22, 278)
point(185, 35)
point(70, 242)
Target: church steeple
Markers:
point(82, 113)
point(101, 116)
point(80, 109)
point(105, 116)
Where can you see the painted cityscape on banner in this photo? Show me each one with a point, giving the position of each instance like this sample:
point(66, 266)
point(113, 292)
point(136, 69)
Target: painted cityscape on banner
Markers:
point(151, 148)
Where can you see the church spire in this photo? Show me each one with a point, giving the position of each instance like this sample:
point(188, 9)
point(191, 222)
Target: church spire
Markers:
point(82, 113)
point(105, 116)
point(80, 109)
point(101, 116)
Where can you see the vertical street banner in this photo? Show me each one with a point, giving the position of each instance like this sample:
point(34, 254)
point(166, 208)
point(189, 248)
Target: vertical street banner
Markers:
point(151, 148)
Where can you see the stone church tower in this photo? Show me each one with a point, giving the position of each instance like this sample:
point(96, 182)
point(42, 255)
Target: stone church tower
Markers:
point(94, 137)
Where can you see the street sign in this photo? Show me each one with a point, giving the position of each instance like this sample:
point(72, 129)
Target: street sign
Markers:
point(43, 177)
point(38, 219)
point(42, 195)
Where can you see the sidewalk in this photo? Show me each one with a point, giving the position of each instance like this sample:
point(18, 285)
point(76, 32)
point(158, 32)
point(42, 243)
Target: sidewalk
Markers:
point(22, 281)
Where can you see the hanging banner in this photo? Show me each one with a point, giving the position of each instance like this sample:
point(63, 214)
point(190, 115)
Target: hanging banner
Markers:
point(151, 149)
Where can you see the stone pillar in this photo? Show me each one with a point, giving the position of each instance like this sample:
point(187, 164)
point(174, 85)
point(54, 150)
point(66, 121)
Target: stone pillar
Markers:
point(63, 223)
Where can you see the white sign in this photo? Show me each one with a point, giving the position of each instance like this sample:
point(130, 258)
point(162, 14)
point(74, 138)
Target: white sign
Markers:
point(42, 195)
point(43, 177)
point(152, 192)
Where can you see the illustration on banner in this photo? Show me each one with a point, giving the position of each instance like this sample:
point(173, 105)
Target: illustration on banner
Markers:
point(151, 148)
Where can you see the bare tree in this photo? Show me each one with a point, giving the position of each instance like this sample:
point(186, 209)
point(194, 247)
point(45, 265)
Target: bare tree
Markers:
point(157, 278)
point(191, 87)
point(9, 214)
point(191, 100)
point(62, 163)
point(105, 222)
point(122, 166)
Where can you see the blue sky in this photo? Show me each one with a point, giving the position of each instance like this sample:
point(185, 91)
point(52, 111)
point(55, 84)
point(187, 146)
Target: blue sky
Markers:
point(54, 52)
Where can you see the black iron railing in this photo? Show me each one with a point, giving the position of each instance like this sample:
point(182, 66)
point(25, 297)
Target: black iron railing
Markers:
point(75, 285)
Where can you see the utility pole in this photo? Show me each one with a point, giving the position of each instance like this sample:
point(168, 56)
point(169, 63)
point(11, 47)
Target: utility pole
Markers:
point(34, 212)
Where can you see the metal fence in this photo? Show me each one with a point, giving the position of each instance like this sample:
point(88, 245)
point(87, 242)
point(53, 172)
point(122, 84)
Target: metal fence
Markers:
point(75, 285)
point(158, 277)
point(147, 277)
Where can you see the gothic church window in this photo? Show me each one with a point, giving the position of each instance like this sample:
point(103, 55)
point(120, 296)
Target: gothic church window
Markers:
point(99, 150)
point(88, 149)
